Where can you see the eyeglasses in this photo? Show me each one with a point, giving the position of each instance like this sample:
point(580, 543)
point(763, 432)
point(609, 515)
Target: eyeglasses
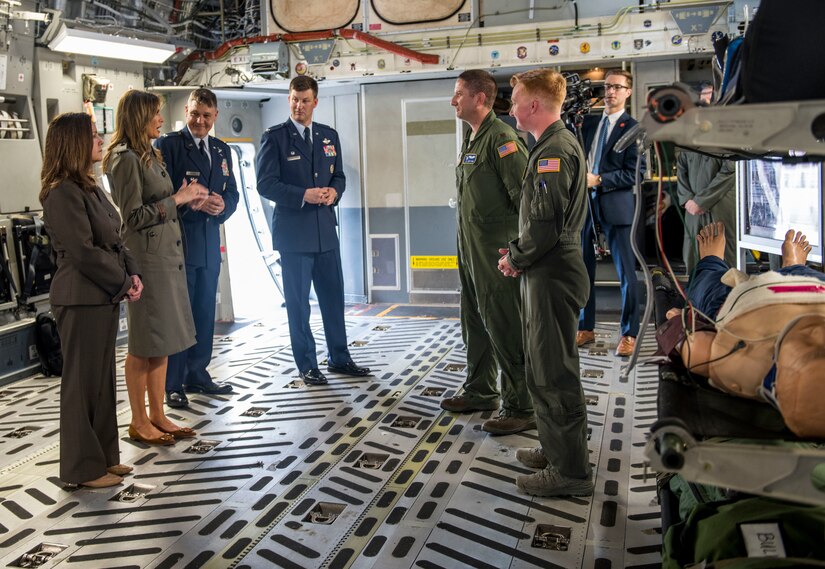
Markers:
point(613, 87)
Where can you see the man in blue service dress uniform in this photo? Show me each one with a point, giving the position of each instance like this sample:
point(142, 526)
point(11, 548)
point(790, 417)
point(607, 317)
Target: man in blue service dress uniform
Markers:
point(300, 169)
point(191, 153)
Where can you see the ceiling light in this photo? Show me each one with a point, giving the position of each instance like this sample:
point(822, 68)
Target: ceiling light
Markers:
point(81, 42)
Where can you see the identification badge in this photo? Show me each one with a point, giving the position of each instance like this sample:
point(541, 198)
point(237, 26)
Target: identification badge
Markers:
point(224, 167)
point(470, 158)
point(291, 158)
point(329, 150)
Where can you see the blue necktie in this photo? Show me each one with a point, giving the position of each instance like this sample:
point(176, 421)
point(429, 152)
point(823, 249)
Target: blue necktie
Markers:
point(597, 155)
point(308, 140)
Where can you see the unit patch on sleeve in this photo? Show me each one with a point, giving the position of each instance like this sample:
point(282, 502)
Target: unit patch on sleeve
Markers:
point(507, 149)
point(548, 165)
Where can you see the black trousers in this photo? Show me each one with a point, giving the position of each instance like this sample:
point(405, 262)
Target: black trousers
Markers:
point(88, 421)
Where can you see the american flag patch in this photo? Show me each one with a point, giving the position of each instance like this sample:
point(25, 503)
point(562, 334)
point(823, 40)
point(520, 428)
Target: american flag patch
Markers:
point(548, 165)
point(506, 149)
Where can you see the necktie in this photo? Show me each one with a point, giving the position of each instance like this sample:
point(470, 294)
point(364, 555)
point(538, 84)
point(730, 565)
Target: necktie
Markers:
point(597, 155)
point(308, 140)
point(202, 147)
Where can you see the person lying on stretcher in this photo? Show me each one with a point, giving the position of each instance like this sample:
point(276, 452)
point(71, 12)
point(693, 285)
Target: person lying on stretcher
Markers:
point(760, 337)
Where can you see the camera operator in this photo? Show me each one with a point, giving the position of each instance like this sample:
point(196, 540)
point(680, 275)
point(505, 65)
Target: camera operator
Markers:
point(610, 177)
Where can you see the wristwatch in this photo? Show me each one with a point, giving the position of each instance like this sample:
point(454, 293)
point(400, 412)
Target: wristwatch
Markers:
point(599, 180)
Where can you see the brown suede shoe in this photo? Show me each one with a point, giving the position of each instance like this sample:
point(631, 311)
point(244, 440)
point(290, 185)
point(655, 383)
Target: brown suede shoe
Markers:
point(584, 337)
point(461, 404)
point(625, 347)
point(119, 469)
point(504, 425)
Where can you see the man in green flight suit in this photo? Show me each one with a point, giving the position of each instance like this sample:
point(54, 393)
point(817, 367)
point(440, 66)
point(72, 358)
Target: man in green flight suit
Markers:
point(547, 256)
point(706, 187)
point(488, 175)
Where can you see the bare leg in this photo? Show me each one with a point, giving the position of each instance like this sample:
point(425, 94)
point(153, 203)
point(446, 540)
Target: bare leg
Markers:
point(795, 249)
point(711, 239)
point(156, 384)
point(137, 375)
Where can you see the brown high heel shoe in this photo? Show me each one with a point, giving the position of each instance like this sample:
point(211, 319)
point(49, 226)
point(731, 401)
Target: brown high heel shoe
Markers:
point(119, 469)
point(180, 433)
point(165, 439)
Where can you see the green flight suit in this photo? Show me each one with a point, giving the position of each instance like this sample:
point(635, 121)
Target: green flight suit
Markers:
point(488, 177)
point(711, 183)
point(554, 288)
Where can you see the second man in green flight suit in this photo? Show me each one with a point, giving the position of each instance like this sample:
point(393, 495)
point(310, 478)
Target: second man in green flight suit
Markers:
point(489, 172)
point(554, 286)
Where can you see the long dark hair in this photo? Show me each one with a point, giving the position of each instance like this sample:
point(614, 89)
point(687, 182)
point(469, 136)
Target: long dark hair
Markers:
point(68, 153)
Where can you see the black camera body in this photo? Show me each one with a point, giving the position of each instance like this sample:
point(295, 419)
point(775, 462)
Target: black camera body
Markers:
point(578, 100)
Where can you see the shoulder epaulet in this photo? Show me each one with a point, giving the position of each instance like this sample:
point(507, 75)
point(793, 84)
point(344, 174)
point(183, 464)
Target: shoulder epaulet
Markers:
point(322, 125)
point(274, 128)
point(173, 133)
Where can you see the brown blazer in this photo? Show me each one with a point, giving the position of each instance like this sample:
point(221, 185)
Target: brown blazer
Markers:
point(93, 264)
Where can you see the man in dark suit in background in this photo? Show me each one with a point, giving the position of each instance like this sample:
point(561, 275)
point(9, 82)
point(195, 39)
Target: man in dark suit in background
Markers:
point(191, 153)
point(610, 178)
point(300, 168)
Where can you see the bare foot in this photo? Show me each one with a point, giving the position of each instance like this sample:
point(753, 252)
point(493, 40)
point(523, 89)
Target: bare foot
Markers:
point(164, 424)
point(795, 249)
point(711, 240)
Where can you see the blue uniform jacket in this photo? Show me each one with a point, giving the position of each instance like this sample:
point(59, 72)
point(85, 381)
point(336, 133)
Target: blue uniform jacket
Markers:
point(617, 169)
point(286, 167)
point(201, 230)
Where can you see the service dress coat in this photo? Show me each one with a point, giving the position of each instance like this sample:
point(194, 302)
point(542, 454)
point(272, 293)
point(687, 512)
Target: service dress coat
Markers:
point(93, 275)
point(160, 323)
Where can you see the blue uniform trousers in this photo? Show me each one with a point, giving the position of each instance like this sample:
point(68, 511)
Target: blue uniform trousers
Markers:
point(189, 366)
point(300, 271)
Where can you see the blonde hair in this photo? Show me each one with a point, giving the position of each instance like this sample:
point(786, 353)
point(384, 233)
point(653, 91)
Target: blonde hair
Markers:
point(135, 111)
point(67, 154)
point(548, 85)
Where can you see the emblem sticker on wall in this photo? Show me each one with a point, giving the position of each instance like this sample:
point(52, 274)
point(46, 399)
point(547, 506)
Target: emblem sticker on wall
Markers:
point(638, 44)
point(554, 50)
point(521, 52)
point(381, 64)
point(676, 40)
point(616, 44)
point(301, 68)
point(495, 54)
point(584, 47)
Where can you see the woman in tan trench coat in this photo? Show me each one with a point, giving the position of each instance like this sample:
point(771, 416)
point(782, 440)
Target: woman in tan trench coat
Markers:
point(161, 323)
point(94, 273)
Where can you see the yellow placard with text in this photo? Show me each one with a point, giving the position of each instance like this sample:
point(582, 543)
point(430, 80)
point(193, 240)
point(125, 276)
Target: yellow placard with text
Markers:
point(434, 262)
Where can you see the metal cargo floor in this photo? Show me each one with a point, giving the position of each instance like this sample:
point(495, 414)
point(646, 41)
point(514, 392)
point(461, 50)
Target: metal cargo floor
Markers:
point(362, 472)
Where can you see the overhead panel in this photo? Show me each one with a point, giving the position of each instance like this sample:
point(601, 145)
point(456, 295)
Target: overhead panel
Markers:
point(394, 16)
point(294, 16)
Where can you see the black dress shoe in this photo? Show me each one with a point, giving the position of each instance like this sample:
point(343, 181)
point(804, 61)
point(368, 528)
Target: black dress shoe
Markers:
point(177, 399)
point(313, 376)
point(209, 387)
point(349, 368)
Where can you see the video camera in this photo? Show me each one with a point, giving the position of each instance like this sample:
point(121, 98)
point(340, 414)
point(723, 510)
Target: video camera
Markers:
point(578, 100)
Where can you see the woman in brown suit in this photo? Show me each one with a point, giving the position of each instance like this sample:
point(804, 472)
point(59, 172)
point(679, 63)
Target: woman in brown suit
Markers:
point(94, 273)
point(161, 323)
